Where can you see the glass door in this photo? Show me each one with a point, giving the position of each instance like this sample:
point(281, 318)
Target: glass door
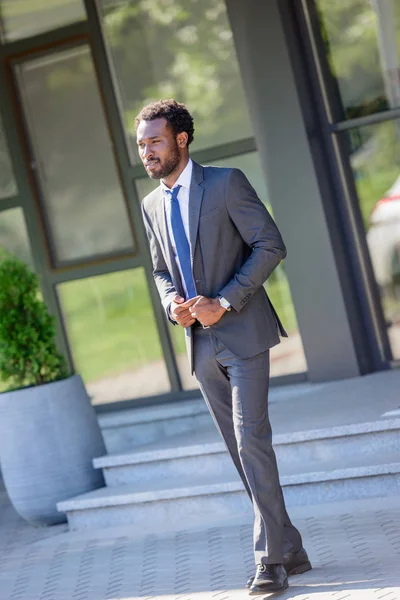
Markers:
point(103, 298)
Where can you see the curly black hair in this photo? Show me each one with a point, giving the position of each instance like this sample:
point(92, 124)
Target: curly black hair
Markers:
point(175, 113)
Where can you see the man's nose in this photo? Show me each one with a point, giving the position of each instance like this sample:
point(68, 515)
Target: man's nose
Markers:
point(147, 152)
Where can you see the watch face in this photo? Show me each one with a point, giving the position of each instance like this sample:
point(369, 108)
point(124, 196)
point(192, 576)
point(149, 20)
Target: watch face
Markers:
point(224, 303)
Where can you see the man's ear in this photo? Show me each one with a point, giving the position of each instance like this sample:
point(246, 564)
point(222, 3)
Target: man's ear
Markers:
point(182, 139)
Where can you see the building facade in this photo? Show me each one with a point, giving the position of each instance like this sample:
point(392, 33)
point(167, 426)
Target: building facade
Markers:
point(303, 96)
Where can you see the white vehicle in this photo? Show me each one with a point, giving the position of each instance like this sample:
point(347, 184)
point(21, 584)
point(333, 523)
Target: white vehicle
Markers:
point(383, 240)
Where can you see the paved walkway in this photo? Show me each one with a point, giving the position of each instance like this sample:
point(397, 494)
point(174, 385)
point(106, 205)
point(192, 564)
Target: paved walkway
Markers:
point(354, 548)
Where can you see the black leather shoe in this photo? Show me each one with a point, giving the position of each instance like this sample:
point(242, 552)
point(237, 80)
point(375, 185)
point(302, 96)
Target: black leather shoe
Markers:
point(269, 578)
point(295, 563)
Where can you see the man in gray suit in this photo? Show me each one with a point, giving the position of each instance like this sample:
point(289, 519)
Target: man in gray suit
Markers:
point(213, 245)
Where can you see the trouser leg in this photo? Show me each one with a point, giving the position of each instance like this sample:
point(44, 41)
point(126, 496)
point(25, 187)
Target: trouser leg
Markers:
point(218, 391)
point(250, 382)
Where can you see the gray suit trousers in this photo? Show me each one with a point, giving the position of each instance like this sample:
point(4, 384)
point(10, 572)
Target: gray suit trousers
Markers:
point(236, 392)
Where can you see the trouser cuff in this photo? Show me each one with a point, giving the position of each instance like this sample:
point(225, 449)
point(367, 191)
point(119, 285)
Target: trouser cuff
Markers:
point(261, 557)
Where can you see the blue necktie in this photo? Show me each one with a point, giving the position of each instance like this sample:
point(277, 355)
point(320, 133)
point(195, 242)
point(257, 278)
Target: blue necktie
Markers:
point(181, 242)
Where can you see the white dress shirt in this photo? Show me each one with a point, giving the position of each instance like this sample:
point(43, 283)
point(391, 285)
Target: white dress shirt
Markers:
point(184, 181)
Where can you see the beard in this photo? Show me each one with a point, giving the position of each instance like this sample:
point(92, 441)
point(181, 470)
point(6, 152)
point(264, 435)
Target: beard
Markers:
point(170, 164)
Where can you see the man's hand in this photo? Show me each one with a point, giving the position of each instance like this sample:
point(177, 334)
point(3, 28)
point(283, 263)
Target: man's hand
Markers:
point(180, 311)
point(206, 310)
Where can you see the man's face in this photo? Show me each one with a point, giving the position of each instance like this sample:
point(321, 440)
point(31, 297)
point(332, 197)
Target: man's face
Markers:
point(158, 148)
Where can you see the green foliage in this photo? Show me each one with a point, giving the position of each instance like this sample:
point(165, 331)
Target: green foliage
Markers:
point(350, 34)
point(371, 188)
point(28, 353)
point(185, 50)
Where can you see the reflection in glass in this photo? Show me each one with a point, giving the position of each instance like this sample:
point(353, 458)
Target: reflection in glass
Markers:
point(13, 234)
point(7, 181)
point(24, 19)
point(113, 336)
point(362, 40)
point(185, 51)
point(375, 159)
point(74, 161)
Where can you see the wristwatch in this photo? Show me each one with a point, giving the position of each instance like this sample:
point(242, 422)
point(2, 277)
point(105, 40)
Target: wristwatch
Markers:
point(224, 303)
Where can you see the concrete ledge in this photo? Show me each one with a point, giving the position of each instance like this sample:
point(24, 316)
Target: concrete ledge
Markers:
point(105, 497)
point(138, 457)
point(154, 515)
point(337, 474)
point(134, 458)
point(136, 416)
point(111, 497)
point(311, 407)
point(128, 429)
point(111, 507)
point(336, 432)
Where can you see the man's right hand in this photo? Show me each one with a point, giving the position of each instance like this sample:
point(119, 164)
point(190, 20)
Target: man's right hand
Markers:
point(179, 311)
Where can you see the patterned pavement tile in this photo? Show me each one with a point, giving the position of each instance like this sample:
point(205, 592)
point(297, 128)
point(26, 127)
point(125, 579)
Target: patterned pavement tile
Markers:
point(355, 555)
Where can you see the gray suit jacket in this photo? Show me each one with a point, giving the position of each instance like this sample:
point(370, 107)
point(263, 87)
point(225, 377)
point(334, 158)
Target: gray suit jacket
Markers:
point(234, 244)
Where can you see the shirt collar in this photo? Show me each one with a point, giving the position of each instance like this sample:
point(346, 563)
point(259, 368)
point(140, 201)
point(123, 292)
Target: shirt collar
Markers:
point(183, 180)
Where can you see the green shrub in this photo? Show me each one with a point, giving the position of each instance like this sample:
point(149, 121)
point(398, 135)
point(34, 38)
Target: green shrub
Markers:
point(28, 352)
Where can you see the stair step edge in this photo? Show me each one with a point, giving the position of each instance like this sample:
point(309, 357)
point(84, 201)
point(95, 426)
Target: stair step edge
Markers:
point(120, 460)
point(337, 431)
point(146, 415)
point(345, 473)
point(115, 498)
point(117, 460)
point(121, 499)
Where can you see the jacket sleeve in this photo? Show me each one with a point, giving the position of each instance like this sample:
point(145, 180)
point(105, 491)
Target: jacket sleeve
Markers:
point(258, 230)
point(161, 274)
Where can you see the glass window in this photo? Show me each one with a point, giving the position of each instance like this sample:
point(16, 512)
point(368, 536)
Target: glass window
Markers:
point(7, 181)
point(189, 382)
point(362, 40)
point(74, 162)
point(183, 51)
point(113, 336)
point(24, 18)
point(13, 234)
point(375, 159)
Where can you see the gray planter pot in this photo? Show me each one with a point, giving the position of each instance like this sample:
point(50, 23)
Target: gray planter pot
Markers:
point(49, 435)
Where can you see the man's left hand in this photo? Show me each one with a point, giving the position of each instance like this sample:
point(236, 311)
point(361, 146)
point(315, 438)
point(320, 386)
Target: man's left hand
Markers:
point(207, 310)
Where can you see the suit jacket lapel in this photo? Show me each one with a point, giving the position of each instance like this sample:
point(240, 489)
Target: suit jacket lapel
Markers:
point(195, 200)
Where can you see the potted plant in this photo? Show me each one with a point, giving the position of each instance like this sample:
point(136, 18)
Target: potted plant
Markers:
point(49, 433)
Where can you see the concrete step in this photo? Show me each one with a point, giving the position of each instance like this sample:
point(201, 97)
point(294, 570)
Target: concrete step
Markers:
point(202, 453)
point(126, 429)
point(191, 475)
point(154, 503)
point(293, 408)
